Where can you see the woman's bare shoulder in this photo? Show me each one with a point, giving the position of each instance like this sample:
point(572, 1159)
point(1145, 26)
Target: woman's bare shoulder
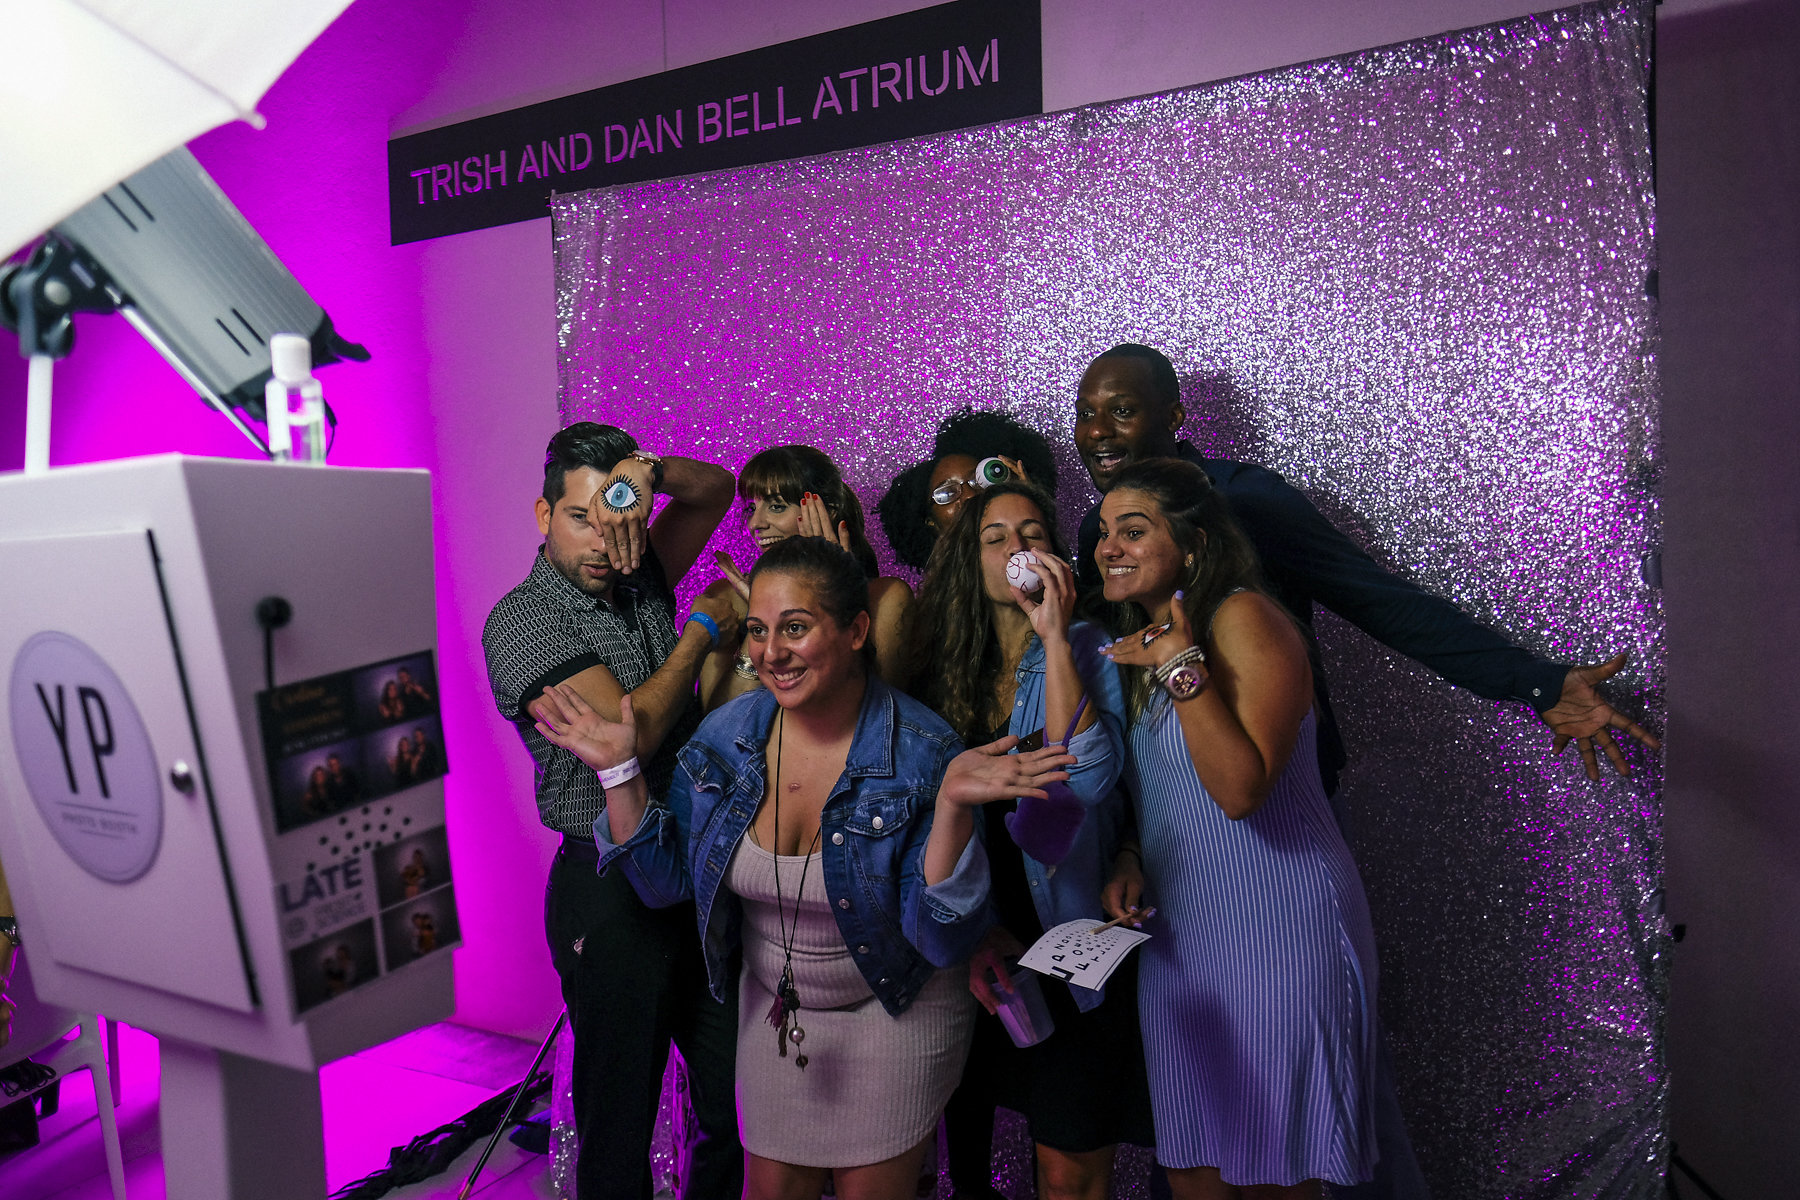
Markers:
point(886, 589)
point(1252, 619)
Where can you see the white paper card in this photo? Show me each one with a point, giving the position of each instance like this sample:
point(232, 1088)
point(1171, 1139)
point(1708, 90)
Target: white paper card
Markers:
point(1081, 953)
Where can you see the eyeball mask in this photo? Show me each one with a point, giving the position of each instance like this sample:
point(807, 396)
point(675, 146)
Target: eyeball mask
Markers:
point(1019, 572)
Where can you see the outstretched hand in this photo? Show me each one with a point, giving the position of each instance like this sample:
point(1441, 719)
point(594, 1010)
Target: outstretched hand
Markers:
point(1582, 715)
point(1154, 645)
point(989, 772)
point(566, 720)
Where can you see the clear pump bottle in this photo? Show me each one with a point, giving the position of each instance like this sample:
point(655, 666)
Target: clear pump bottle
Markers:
point(294, 403)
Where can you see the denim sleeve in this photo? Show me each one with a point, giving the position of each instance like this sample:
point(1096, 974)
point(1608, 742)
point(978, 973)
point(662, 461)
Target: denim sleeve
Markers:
point(654, 858)
point(945, 921)
point(1100, 748)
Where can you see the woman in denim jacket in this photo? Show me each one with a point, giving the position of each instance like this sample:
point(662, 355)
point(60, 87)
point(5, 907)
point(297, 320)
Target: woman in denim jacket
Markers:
point(839, 856)
point(996, 660)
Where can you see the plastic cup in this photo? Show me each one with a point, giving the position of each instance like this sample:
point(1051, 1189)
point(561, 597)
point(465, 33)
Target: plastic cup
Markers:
point(1023, 1010)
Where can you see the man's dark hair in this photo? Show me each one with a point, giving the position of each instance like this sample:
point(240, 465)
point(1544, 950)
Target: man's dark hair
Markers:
point(1162, 371)
point(902, 512)
point(583, 444)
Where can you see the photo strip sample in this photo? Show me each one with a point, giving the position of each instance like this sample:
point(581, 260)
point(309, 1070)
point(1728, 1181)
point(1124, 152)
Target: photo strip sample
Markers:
point(341, 740)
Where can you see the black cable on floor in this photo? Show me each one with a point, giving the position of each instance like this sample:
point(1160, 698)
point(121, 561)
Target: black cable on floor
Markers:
point(431, 1153)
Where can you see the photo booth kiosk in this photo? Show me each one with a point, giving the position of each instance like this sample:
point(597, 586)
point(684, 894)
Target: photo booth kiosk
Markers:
point(221, 796)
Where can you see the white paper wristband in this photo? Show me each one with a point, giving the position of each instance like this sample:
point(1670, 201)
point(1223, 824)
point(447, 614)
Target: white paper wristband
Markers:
point(612, 777)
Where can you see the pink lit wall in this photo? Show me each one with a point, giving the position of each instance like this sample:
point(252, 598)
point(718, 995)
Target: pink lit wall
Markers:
point(464, 383)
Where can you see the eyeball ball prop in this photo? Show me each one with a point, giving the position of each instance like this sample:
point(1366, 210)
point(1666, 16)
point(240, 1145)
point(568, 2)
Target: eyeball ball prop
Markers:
point(1019, 572)
point(990, 471)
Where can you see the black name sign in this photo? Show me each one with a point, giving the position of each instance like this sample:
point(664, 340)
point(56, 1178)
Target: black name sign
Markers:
point(948, 67)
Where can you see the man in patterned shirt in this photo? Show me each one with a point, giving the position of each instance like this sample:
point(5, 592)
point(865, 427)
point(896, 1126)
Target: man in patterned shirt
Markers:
point(597, 612)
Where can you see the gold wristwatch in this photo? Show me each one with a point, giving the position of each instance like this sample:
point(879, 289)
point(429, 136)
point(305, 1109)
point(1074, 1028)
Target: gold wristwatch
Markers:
point(654, 462)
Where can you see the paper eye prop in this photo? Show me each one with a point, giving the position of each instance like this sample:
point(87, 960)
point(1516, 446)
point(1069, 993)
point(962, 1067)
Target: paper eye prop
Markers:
point(621, 495)
point(1019, 572)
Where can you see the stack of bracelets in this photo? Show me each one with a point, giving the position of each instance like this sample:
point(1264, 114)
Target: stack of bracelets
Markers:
point(1183, 676)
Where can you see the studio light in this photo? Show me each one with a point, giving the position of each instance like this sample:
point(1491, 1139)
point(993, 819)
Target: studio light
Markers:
point(167, 250)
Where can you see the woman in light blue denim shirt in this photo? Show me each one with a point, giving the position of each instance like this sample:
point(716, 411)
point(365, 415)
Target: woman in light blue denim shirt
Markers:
point(995, 661)
point(822, 826)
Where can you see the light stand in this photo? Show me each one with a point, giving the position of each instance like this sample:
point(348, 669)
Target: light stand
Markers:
point(39, 299)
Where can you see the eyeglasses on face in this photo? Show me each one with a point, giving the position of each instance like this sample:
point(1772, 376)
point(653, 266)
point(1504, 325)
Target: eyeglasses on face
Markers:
point(988, 472)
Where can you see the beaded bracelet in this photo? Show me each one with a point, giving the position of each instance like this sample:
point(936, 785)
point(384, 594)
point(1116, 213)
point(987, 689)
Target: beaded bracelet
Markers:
point(1191, 654)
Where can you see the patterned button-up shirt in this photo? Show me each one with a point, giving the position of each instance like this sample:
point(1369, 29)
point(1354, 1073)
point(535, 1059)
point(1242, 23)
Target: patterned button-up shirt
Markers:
point(546, 630)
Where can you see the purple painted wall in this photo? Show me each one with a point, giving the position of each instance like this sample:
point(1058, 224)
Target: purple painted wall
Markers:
point(1729, 163)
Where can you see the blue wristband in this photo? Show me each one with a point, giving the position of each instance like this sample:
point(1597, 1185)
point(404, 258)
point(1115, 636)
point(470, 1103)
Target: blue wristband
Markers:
point(711, 626)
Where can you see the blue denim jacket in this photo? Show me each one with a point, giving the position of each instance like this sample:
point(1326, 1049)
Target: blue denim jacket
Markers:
point(1072, 890)
point(872, 841)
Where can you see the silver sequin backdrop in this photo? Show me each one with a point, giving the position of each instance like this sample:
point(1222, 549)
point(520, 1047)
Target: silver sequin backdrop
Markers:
point(1415, 281)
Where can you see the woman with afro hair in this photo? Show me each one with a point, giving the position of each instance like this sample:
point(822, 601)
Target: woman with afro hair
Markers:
point(924, 499)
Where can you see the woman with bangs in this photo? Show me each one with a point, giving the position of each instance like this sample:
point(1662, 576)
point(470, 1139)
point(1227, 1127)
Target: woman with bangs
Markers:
point(797, 491)
point(1012, 668)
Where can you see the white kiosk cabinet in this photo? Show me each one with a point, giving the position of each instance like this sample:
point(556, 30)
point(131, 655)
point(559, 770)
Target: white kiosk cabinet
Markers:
point(256, 874)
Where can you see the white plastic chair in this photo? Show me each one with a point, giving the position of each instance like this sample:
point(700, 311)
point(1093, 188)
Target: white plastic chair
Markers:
point(38, 1031)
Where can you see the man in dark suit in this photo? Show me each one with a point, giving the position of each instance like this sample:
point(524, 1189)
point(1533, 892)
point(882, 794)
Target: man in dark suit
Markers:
point(1129, 407)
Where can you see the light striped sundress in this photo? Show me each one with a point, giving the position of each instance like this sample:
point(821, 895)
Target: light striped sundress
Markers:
point(1257, 990)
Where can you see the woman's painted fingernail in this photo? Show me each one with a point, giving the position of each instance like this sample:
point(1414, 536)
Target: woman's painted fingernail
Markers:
point(1180, 595)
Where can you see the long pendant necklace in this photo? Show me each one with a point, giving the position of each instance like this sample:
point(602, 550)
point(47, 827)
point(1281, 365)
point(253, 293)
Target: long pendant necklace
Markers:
point(784, 1014)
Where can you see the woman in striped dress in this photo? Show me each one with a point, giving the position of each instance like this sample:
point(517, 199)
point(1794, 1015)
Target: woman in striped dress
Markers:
point(1257, 990)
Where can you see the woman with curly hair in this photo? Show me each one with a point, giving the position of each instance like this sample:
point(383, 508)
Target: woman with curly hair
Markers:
point(1000, 662)
point(797, 491)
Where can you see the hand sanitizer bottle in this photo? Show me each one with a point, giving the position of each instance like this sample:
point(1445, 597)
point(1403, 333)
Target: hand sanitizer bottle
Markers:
point(290, 357)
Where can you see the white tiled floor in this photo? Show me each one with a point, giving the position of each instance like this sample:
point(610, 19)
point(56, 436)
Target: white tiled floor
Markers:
point(442, 1072)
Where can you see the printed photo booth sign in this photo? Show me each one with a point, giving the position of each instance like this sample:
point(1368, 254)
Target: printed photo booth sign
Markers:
point(364, 886)
point(1414, 281)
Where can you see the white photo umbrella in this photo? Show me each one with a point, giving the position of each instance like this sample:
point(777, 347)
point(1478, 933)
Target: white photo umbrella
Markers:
point(93, 90)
